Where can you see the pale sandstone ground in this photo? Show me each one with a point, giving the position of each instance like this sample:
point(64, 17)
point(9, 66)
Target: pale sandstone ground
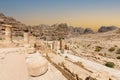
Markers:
point(13, 66)
point(84, 46)
point(94, 67)
point(17, 68)
point(82, 73)
point(52, 74)
point(86, 69)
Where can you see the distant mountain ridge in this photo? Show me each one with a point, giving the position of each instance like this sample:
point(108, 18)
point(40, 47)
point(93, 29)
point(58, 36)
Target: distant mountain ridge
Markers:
point(46, 32)
point(107, 28)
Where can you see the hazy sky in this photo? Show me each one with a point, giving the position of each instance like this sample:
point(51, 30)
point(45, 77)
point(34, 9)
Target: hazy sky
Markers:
point(86, 13)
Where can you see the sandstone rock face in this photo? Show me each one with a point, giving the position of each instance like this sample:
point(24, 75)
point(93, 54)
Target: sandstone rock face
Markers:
point(36, 64)
point(100, 76)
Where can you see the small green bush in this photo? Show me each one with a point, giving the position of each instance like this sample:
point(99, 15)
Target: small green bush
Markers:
point(49, 46)
point(66, 56)
point(110, 64)
point(112, 49)
point(118, 57)
point(115, 46)
point(0, 38)
point(98, 48)
point(118, 51)
point(88, 45)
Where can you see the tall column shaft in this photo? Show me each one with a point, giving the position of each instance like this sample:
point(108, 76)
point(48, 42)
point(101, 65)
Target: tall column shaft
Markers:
point(8, 34)
point(62, 45)
point(55, 45)
point(26, 37)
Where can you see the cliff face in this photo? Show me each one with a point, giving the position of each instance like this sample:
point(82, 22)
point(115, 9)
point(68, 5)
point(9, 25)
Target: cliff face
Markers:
point(42, 31)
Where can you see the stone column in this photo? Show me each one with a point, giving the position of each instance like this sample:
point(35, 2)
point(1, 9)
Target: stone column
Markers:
point(55, 45)
point(8, 33)
point(32, 41)
point(36, 64)
point(26, 37)
point(62, 44)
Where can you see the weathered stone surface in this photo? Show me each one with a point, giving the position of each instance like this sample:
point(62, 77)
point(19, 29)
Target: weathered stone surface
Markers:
point(37, 65)
point(62, 45)
point(26, 37)
point(55, 45)
point(8, 33)
point(29, 50)
point(12, 66)
point(100, 76)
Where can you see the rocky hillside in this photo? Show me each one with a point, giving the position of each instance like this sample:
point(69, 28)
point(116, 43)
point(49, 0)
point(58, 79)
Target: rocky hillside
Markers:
point(56, 31)
point(17, 28)
point(46, 32)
